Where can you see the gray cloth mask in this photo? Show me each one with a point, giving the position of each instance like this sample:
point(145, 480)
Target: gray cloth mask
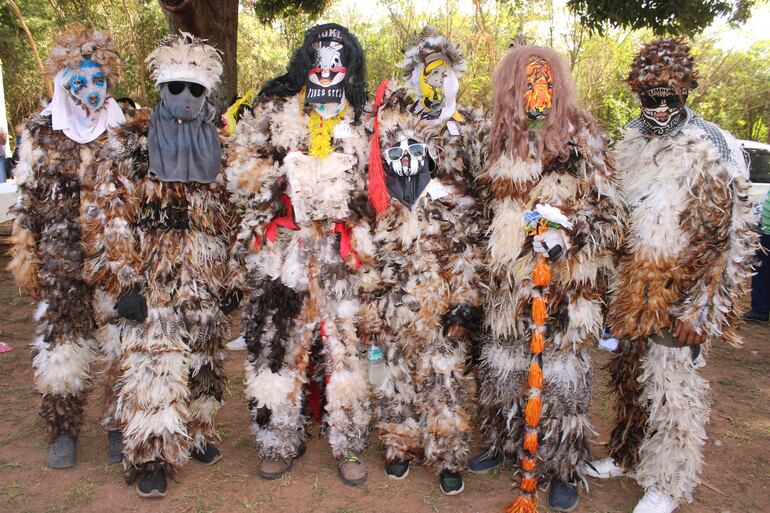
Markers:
point(183, 142)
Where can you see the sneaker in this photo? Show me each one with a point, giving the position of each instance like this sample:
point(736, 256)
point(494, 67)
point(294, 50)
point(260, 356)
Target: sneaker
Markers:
point(604, 468)
point(115, 445)
point(152, 484)
point(62, 452)
point(397, 469)
point(451, 483)
point(485, 462)
point(352, 471)
point(208, 456)
point(656, 502)
point(562, 496)
point(753, 316)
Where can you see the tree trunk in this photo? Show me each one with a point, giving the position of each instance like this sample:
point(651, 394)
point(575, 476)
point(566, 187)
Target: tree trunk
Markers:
point(217, 21)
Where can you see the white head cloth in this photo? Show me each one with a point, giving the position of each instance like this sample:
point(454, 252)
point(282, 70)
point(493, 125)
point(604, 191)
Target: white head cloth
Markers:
point(73, 119)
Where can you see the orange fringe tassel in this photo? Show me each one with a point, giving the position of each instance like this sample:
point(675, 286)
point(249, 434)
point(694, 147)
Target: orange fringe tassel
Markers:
point(538, 311)
point(538, 343)
point(528, 484)
point(535, 376)
point(532, 411)
point(530, 445)
point(523, 504)
point(542, 275)
point(528, 464)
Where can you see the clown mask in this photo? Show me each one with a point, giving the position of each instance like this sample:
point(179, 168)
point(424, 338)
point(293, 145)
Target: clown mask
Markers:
point(87, 84)
point(326, 80)
point(539, 94)
point(662, 109)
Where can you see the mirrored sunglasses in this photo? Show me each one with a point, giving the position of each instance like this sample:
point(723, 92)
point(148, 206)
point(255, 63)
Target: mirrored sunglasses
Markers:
point(415, 150)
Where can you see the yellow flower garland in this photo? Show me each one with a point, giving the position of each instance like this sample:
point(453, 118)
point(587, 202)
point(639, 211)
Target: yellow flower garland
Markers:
point(321, 131)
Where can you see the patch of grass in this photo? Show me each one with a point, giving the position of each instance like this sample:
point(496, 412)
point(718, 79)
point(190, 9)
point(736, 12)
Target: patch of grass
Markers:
point(13, 491)
point(243, 443)
point(344, 509)
point(318, 490)
point(195, 501)
point(9, 465)
point(258, 503)
point(79, 494)
point(9, 438)
point(433, 500)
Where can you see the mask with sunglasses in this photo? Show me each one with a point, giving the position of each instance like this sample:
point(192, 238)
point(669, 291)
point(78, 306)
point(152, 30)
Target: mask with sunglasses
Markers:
point(183, 100)
point(408, 168)
point(326, 80)
point(663, 110)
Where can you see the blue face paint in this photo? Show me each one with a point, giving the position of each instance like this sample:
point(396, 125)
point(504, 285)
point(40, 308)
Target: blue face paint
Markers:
point(88, 84)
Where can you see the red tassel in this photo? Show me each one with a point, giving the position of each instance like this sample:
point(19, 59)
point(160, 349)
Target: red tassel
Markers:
point(378, 192)
point(284, 221)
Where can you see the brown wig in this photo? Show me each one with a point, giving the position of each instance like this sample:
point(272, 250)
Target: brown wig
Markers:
point(663, 62)
point(509, 134)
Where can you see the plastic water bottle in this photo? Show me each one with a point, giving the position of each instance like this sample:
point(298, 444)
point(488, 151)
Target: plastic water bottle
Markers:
point(377, 367)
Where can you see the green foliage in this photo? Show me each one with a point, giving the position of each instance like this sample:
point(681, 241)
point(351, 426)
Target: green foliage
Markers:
point(734, 87)
point(269, 10)
point(23, 85)
point(661, 16)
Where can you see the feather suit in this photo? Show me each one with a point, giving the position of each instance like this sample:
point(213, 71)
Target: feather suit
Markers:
point(304, 232)
point(687, 257)
point(171, 241)
point(47, 259)
point(581, 184)
point(425, 279)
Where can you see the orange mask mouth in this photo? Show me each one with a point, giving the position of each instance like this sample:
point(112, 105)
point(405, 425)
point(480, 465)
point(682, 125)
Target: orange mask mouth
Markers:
point(539, 93)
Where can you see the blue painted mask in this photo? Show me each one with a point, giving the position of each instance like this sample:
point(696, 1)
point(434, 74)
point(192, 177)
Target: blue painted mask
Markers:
point(88, 84)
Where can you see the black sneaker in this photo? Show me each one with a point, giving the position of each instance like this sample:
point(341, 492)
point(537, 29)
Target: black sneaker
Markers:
point(753, 316)
point(397, 469)
point(484, 462)
point(152, 485)
point(208, 456)
point(562, 496)
point(62, 452)
point(451, 483)
point(115, 445)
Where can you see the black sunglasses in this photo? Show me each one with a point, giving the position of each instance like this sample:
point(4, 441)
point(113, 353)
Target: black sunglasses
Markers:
point(176, 87)
point(652, 102)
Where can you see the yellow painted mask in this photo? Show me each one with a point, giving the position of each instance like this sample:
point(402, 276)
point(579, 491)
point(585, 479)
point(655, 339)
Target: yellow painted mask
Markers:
point(539, 93)
point(432, 86)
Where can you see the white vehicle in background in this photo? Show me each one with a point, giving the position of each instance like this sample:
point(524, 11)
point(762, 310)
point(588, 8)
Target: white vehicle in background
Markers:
point(759, 170)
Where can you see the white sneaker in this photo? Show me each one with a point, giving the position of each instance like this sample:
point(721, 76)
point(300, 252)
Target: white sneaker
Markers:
point(603, 469)
point(655, 502)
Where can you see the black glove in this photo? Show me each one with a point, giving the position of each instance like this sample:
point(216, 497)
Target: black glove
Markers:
point(230, 301)
point(131, 305)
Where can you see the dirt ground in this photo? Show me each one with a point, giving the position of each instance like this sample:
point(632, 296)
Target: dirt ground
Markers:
point(736, 476)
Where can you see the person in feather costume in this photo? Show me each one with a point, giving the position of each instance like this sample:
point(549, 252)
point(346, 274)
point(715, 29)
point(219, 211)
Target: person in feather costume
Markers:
point(421, 298)
point(298, 175)
point(547, 160)
point(162, 254)
point(55, 171)
point(684, 267)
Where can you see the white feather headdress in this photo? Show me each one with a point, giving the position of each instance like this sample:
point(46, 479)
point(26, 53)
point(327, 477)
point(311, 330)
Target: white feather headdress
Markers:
point(429, 46)
point(186, 58)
